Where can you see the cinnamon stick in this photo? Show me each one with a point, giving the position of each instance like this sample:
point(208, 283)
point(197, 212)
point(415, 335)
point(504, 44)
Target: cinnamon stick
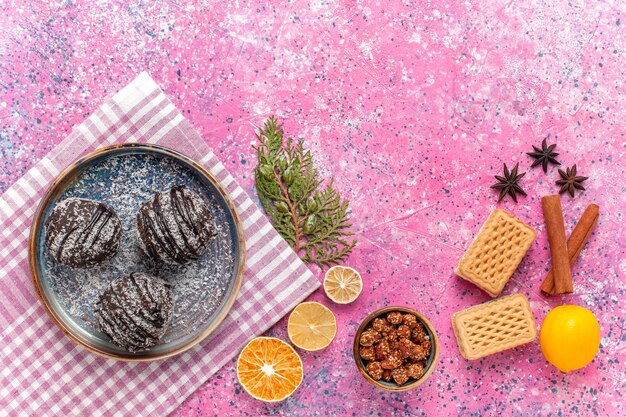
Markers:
point(575, 243)
point(553, 216)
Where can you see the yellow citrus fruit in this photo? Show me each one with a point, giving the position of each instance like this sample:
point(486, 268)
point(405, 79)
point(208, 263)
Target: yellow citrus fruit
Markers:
point(343, 284)
point(311, 326)
point(269, 369)
point(569, 337)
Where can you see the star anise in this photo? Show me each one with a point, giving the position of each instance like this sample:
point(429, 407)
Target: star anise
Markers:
point(569, 181)
point(508, 184)
point(544, 155)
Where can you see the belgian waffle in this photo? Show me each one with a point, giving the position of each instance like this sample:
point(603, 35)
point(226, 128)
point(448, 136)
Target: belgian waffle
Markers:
point(494, 326)
point(496, 252)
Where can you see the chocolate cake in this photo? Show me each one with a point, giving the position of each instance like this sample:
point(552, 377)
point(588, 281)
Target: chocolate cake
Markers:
point(134, 311)
point(176, 226)
point(82, 233)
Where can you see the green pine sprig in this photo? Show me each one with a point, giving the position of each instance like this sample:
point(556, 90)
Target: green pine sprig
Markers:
point(313, 219)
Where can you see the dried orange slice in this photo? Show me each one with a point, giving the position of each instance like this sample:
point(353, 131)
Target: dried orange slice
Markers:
point(343, 284)
point(311, 326)
point(269, 369)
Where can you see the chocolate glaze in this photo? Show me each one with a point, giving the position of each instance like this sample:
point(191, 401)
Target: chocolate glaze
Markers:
point(82, 233)
point(176, 226)
point(134, 311)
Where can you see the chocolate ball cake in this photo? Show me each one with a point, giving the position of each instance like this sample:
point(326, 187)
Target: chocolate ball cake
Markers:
point(176, 226)
point(134, 311)
point(82, 233)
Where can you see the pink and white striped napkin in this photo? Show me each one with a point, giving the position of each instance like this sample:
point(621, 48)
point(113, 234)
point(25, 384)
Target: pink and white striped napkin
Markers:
point(42, 372)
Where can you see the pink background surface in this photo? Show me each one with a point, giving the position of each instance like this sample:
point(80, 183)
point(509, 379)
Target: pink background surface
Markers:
point(413, 107)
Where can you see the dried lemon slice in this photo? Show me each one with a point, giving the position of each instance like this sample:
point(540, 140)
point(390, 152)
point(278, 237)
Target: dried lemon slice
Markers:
point(269, 369)
point(343, 284)
point(311, 326)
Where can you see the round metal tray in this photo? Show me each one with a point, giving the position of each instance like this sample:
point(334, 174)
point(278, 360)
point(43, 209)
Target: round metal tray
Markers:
point(123, 177)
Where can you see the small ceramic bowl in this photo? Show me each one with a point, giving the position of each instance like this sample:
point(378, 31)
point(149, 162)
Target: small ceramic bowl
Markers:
point(431, 361)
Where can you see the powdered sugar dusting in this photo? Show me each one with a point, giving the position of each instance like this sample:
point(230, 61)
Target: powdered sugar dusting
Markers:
point(124, 183)
point(82, 233)
point(175, 227)
point(135, 311)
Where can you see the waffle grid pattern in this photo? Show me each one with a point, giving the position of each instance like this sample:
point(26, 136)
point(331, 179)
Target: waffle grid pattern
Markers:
point(494, 326)
point(496, 252)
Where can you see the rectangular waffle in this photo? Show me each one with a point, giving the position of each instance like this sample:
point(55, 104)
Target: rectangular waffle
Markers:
point(496, 252)
point(494, 326)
